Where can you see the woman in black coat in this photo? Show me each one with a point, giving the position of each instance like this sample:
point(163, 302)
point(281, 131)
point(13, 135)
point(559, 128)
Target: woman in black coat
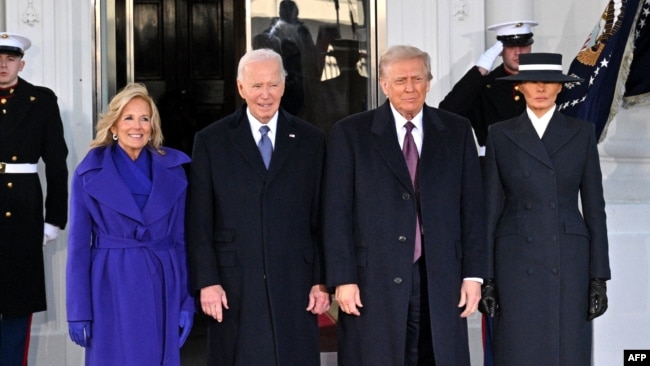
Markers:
point(548, 257)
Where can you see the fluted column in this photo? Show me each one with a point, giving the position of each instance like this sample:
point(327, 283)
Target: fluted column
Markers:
point(501, 11)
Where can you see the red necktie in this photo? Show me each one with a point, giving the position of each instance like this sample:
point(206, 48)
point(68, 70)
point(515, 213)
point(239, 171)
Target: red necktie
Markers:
point(410, 151)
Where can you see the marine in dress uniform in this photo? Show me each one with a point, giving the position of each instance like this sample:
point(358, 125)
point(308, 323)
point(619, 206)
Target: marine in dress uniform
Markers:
point(478, 96)
point(30, 129)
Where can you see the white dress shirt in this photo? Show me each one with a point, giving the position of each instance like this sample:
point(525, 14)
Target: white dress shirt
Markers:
point(417, 132)
point(255, 127)
point(540, 123)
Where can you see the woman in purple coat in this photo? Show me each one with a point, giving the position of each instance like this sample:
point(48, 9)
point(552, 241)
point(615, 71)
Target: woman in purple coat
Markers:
point(127, 289)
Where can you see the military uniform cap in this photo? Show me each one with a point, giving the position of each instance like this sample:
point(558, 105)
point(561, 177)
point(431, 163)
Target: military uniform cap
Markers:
point(14, 43)
point(514, 34)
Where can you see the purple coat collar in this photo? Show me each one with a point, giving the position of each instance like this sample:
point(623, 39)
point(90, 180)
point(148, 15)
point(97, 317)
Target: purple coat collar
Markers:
point(103, 183)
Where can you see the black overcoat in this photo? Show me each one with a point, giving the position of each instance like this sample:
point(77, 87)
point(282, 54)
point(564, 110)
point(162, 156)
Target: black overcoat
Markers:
point(544, 248)
point(484, 100)
point(369, 216)
point(30, 130)
point(255, 232)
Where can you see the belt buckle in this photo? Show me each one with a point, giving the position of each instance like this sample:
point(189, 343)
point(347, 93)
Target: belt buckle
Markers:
point(2, 167)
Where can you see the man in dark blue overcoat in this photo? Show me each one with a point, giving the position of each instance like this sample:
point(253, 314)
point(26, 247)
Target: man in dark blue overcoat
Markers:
point(404, 243)
point(253, 226)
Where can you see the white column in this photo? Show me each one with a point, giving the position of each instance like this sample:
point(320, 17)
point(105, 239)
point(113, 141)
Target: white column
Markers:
point(625, 161)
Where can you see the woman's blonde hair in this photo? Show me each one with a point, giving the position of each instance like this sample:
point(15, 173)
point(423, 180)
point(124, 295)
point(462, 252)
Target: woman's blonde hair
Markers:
point(103, 134)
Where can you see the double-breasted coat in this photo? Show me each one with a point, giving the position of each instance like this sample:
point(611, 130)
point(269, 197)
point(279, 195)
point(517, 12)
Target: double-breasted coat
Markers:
point(127, 268)
point(369, 219)
point(543, 247)
point(255, 233)
point(30, 130)
point(484, 100)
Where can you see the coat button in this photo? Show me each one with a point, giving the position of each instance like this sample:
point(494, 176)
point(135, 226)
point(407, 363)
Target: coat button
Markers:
point(397, 280)
point(8, 214)
point(406, 196)
point(554, 238)
point(401, 238)
point(10, 185)
point(528, 206)
point(529, 239)
point(526, 174)
point(555, 271)
point(14, 158)
point(552, 204)
point(551, 173)
point(529, 271)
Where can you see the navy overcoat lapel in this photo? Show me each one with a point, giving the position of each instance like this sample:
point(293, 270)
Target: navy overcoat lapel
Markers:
point(385, 142)
point(286, 138)
point(243, 141)
point(523, 134)
point(435, 135)
point(558, 133)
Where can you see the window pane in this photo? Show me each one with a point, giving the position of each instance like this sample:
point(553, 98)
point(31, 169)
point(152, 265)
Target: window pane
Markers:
point(324, 48)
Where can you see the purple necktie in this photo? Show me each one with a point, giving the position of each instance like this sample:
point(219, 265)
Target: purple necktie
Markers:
point(410, 151)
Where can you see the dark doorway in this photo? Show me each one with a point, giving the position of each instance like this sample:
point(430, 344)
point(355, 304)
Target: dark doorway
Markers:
point(186, 53)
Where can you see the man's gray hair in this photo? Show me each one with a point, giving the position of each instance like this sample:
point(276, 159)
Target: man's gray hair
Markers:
point(401, 53)
point(262, 54)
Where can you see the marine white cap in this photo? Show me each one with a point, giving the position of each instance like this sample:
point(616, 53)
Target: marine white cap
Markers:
point(514, 33)
point(14, 43)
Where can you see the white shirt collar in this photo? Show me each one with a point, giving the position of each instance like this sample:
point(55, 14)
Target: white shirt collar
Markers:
point(255, 126)
point(417, 132)
point(540, 123)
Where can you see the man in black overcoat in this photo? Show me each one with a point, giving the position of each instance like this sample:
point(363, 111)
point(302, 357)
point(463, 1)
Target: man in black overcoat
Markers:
point(30, 129)
point(253, 236)
point(404, 242)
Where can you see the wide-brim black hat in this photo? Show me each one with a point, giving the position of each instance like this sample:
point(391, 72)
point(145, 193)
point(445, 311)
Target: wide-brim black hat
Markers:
point(545, 67)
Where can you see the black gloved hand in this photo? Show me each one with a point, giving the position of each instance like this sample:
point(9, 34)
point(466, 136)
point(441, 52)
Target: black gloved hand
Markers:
point(489, 304)
point(597, 298)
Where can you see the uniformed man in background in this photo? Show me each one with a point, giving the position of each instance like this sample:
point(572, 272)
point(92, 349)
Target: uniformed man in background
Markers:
point(481, 99)
point(30, 129)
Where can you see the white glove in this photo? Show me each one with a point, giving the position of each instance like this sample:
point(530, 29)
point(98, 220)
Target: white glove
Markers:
point(488, 57)
point(50, 233)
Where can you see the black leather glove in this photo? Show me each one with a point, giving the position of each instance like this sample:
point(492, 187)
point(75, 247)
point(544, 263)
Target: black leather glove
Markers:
point(597, 298)
point(489, 304)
